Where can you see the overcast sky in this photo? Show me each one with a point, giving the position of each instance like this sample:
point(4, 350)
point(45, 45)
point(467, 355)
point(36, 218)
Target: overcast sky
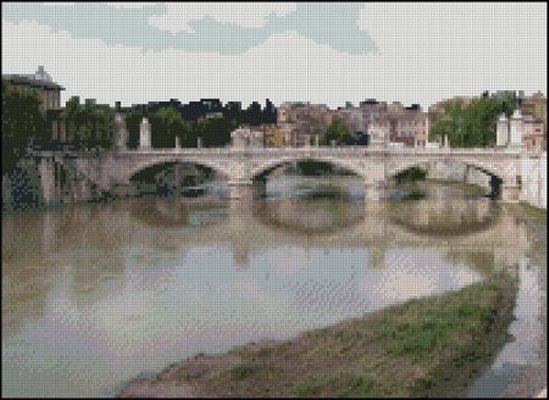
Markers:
point(319, 52)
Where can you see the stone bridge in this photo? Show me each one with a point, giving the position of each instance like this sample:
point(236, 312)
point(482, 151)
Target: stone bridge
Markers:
point(515, 168)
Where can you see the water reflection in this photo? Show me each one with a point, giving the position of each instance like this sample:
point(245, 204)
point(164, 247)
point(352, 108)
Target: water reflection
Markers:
point(95, 294)
point(170, 212)
point(435, 217)
point(310, 216)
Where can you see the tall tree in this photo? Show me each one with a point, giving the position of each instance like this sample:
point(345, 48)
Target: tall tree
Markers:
point(91, 125)
point(167, 124)
point(23, 123)
point(216, 132)
point(339, 132)
point(475, 124)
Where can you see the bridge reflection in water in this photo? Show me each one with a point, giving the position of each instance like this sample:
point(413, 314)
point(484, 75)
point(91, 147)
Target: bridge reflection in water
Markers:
point(247, 226)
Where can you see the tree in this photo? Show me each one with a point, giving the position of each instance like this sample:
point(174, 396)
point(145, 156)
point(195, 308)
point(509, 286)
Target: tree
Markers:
point(91, 125)
point(475, 124)
point(216, 132)
point(253, 114)
point(133, 120)
point(22, 123)
point(339, 132)
point(167, 124)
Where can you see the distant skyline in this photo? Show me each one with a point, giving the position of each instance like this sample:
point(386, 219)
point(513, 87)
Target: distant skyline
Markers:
point(318, 52)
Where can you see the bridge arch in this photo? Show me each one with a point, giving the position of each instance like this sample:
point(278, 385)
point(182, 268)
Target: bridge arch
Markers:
point(488, 169)
point(142, 165)
point(267, 165)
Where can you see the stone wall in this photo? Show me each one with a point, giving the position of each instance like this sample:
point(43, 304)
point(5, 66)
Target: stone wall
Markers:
point(534, 181)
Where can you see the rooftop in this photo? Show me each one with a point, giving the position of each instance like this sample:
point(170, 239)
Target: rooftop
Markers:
point(40, 79)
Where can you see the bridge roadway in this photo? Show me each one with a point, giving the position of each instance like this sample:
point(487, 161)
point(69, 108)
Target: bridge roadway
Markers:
point(114, 169)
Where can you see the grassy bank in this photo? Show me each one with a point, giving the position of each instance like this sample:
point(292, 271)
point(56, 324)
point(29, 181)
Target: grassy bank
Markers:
point(423, 347)
point(538, 214)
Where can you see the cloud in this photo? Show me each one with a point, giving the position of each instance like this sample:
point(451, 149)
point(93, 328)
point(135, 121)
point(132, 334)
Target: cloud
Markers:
point(178, 15)
point(416, 63)
point(130, 5)
point(61, 4)
point(225, 28)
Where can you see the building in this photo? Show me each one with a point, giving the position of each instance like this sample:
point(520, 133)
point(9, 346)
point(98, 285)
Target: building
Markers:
point(245, 137)
point(305, 120)
point(536, 106)
point(409, 126)
point(41, 81)
point(521, 130)
point(534, 133)
point(379, 131)
point(277, 135)
point(50, 93)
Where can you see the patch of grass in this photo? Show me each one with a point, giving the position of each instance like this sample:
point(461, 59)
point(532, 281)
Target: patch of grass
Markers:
point(354, 385)
point(311, 386)
point(264, 353)
point(424, 347)
point(538, 214)
point(244, 371)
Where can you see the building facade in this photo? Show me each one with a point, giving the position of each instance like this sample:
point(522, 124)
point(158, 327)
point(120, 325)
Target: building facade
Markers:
point(534, 133)
point(50, 94)
point(245, 137)
point(305, 121)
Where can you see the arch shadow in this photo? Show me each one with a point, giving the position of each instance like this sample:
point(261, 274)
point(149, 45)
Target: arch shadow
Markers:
point(160, 177)
point(496, 181)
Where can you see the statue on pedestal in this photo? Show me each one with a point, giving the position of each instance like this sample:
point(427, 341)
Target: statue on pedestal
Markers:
point(145, 134)
point(121, 133)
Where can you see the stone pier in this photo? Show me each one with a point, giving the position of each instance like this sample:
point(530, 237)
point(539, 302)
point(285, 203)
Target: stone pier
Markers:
point(46, 168)
point(373, 191)
point(241, 190)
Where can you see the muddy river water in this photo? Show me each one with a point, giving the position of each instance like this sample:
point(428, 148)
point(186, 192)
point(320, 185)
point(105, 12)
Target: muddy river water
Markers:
point(95, 294)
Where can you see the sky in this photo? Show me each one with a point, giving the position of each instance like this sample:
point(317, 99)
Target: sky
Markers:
point(319, 52)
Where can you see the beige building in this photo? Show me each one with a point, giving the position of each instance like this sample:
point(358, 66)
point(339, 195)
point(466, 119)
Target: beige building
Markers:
point(536, 106)
point(305, 120)
point(50, 93)
point(41, 81)
point(534, 134)
point(279, 135)
point(245, 137)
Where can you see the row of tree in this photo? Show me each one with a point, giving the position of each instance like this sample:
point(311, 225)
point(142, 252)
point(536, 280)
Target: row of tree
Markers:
point(167, 124)
point(90, 125)
point(473, 125)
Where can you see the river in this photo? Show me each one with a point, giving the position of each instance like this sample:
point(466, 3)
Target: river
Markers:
point(95, 294)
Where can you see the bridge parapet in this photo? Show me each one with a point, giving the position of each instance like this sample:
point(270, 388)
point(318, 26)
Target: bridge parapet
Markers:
point(241, 165)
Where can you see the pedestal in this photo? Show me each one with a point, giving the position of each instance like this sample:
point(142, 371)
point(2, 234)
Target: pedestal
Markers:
point(373, 192)
point(47, 179)
point(510, 194)
point(240, 190)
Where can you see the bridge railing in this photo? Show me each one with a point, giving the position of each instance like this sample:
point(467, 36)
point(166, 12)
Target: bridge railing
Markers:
point(326, 150)
point(312, 150)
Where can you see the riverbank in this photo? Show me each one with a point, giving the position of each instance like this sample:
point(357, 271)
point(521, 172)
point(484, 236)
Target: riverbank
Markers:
point(536, 213)
point(424, 347)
